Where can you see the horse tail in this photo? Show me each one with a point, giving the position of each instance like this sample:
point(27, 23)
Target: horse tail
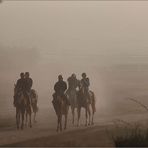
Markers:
point(93, 101)
point(35, 107)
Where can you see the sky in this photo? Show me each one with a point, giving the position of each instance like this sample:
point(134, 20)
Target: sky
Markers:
point(107, 40)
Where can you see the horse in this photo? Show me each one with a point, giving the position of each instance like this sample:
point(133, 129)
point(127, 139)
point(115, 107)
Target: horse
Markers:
point(61, 108)
point(21, 107)
point(83, 101)
point(72, 97)
point(34, 100)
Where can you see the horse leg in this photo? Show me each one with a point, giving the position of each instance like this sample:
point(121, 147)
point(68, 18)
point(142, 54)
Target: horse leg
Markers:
point(93, 111)
point(60, 122)
point(26, 121)
point(17, 118)
point(65, 122)
point(92, 121)
point(86, 116)
point(79, 113)
point(35, 117)
point(30, 124)
point(72, 108)
point(59, 125)
point(89, 114)
point(34, 111)
point(73, 115)
point(22, 125)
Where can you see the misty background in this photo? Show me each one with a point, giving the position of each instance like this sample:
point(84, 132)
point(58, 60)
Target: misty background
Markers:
point(107, 40)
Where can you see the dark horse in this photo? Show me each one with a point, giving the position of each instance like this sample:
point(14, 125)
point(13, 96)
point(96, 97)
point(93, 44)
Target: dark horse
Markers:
point(21, 107)
point(61, 108)
point(89, 106)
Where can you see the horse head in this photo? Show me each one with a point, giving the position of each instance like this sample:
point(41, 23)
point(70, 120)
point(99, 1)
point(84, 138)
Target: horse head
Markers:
point(15, 89)
point(82, 91)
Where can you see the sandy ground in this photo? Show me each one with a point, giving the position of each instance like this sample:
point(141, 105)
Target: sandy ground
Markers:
point(90, 136)
point(43, 133)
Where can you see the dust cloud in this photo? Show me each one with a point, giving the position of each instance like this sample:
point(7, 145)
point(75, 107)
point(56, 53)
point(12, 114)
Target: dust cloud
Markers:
point(107, 40)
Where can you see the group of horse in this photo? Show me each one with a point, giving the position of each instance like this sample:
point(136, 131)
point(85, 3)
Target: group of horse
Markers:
point(77, 100)
point(23, 110)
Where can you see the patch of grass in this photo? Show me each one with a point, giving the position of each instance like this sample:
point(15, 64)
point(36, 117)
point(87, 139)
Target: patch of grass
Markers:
point(135, 139)
point(130, 135)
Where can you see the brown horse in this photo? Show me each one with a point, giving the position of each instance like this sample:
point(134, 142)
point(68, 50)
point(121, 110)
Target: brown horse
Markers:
point(34, 106)
point(61, 108)
point(89, 106)
point(21, 107)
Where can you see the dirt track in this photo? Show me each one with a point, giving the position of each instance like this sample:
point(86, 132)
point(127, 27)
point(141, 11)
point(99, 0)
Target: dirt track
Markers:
point(43, 133)
point(90, 136)
point(45, 129)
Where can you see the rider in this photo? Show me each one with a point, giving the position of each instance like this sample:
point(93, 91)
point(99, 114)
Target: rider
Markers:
point(73, 82)
point(19, 86)
point(60, 88)
point(85, 85)
point(28, 85)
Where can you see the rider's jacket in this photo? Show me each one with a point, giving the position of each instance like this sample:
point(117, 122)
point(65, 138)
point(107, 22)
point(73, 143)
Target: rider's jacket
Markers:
point(28, 84)
point(73, 83)
point(20, 85)
point(85, 83)
point(60, 87)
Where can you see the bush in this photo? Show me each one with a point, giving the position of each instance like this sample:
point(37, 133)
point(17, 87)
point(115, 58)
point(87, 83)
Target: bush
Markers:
point(131, 136)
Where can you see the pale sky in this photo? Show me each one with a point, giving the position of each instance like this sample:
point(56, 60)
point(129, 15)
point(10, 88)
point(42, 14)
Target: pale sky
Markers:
point(107, 40)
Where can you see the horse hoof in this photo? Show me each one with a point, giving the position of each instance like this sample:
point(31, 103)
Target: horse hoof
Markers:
point(92, 123)
point(30, 126)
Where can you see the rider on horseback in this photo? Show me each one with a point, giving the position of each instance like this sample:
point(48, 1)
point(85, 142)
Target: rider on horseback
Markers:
point(73, 83)
point(19, 87)
point(28, 84)
point(85, 86)
point(60, 88)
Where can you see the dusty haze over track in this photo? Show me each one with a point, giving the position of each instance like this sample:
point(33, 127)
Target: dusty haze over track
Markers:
point(107, 40)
